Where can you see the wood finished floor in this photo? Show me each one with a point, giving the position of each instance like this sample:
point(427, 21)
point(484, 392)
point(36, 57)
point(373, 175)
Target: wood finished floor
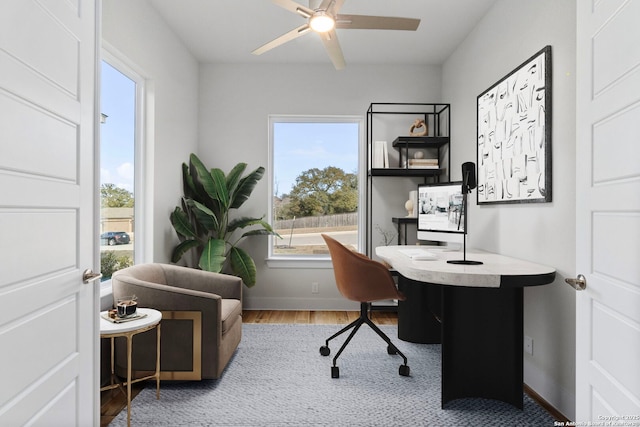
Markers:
point(114, 401)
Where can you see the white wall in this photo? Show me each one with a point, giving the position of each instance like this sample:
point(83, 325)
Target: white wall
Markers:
point(235, 101)
point(136, 31)
point(510, 33)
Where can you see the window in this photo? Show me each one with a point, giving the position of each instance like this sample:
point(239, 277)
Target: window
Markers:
point(315, 178)
point(120, 181)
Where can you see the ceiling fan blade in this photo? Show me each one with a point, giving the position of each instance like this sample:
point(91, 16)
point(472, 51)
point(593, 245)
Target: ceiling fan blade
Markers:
point(336, 6)
point(294, 7)
point(330, 41)
point(293, 34)
point(365, 22)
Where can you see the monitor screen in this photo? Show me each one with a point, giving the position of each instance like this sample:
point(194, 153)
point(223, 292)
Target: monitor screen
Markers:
point(440, 210)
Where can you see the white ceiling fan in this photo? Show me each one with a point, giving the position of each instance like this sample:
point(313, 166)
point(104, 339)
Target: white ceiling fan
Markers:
point(324, 19)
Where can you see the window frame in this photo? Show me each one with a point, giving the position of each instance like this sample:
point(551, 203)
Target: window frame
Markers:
point(143, 158)
point(323, 260)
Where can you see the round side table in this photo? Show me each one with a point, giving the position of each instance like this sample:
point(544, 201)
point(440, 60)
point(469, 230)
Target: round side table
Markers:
point(128, 329)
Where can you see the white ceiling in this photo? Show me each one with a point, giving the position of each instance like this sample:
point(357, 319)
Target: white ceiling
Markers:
point(226, 31)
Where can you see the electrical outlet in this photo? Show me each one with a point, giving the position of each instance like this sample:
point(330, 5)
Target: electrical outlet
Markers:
point(528, 345)
point(314, 288)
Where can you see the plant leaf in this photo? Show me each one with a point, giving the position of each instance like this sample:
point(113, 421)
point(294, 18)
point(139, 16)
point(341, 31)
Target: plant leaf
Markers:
point(213, 258)
point(182, 248)
point(218, 190)
point(195, 168)
point(261, 233)
point(233, 178)
point(243, 266)
point(245, 187)
point(188, 186)
point(205, 216)
point(180, 222)
point(244, 222)
point(203, 180)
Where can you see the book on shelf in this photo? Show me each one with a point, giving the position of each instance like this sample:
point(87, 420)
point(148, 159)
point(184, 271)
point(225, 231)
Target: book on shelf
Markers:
point(422, 164)
point(380, 155)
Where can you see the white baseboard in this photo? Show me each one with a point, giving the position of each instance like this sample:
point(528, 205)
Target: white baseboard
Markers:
point(558, 397)
point(320, 304)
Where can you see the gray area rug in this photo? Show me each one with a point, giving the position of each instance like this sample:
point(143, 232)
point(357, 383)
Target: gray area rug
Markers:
point(278, 378)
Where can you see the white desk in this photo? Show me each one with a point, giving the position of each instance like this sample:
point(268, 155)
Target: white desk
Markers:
point(496, 270)
point(128, 330)
point(477, 316)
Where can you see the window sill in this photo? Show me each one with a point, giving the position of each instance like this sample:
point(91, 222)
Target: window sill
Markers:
point(299, 262)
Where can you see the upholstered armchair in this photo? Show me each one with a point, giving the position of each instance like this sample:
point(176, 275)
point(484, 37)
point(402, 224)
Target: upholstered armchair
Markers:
point(201, 320)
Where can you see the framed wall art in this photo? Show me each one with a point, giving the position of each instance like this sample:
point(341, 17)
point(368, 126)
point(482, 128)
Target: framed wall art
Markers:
point(514, 135)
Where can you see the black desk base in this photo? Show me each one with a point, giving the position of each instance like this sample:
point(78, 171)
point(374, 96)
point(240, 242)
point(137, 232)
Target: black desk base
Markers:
point(481, 334)
point(419, 315)
point(482, 344)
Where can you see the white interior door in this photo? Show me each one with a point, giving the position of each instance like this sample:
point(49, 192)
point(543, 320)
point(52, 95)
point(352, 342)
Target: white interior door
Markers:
point(48, 317)
point(608, 211)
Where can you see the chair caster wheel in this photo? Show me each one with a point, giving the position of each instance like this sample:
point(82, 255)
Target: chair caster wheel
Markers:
point(404, 370)
point(391, 350)
point(335, 372)
point(324, 350)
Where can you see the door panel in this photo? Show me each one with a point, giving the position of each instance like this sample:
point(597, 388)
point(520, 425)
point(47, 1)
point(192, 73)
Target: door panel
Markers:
point(608, 209)
point(49, 318)
point(56, 159)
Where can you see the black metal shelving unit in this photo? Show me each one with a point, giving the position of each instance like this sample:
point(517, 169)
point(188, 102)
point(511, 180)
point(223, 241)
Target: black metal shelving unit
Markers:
point(437, 116)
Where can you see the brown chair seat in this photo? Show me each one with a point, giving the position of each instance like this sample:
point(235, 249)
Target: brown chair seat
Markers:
point(361, 279)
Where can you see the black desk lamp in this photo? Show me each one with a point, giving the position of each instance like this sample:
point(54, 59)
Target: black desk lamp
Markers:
point(468, 184)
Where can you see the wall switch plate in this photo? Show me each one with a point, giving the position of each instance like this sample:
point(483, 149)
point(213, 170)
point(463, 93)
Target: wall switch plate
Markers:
point(528, 345)
point(314, 288)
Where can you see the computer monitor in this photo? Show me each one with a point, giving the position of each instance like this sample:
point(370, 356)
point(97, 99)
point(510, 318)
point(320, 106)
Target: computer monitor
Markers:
point(440, 216)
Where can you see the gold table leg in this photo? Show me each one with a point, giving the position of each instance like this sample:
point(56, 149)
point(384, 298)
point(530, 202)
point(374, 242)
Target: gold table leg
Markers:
point(158, 364)
point(129, 342)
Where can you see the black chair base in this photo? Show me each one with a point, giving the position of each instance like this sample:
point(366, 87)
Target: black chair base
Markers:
point(355, 325)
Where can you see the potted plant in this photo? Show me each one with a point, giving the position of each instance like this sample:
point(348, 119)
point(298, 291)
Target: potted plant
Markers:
point(204, 224)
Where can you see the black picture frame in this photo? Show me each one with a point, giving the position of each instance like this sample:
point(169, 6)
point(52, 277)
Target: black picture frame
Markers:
point(514, 135)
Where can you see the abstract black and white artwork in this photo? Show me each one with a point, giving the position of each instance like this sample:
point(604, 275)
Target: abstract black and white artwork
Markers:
point(514, 135)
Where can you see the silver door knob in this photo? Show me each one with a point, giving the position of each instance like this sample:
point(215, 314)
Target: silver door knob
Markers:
point(579, 283)
point(90, 276)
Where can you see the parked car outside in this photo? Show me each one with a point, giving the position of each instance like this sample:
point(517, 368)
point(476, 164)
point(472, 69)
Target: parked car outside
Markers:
point(113, 238)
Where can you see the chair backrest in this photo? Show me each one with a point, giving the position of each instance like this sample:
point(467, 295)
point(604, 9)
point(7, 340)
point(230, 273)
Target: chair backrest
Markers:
point(358, 277)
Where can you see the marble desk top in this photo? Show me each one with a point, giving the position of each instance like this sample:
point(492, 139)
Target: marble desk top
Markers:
point(496, 270)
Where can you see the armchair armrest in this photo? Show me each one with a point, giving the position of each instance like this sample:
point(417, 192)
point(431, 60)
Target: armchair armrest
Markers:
point(225, 285)
point(164, 297)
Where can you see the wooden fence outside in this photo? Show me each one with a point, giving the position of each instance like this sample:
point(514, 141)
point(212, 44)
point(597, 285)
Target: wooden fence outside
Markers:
point(327, 221)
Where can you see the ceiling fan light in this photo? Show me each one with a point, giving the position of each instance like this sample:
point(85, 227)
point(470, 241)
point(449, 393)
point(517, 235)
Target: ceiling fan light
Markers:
point(321, 22)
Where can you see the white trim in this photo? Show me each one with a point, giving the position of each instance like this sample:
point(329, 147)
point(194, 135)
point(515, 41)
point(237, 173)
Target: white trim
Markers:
point(288, 304)
point(292, 261)
point(143, 158)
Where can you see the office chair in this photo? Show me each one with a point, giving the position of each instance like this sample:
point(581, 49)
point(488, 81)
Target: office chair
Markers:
point(361, 279)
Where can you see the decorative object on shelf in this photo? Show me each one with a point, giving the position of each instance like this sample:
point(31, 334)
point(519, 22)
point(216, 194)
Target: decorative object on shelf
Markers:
point(514, 135)
point(413, 196)
point(418, 124)
point(418, 155)
point(387, 236)
point(422, 164)
point(408, 205)
point(380, 155)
